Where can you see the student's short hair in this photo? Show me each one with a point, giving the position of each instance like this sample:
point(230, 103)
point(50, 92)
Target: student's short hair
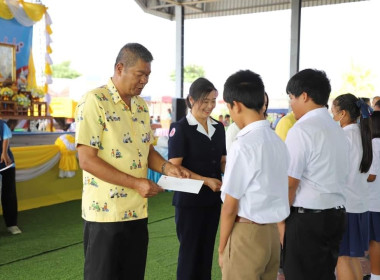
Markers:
point(377, 104)
point(245, 87)
point(314, 82)
point(199, 90)
point(267, 104)
point(131, 53)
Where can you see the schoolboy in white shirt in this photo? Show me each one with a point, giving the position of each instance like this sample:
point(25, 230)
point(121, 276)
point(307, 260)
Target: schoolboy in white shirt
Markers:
point(318, 173)
point(255, 186)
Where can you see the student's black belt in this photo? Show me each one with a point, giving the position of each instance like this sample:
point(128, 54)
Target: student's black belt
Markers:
point(302, 210)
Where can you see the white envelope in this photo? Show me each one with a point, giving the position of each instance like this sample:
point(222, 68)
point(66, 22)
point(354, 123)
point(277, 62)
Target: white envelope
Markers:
point(9, 166)
point(179, 184)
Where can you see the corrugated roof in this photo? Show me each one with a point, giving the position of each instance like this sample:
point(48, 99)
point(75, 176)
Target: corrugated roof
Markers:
point(216, 8)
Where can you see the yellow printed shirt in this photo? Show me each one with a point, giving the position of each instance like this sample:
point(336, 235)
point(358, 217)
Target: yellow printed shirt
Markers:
point(284, 124)
point(122, 136)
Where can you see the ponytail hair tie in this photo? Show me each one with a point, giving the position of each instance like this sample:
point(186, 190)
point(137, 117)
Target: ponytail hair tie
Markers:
point(365, 110)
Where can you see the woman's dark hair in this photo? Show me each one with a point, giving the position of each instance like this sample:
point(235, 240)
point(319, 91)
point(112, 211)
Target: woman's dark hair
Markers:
point(199, 89)
point(375, 118)
point(354, 107)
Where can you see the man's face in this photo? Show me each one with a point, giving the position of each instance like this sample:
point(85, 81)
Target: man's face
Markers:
point(133, 79)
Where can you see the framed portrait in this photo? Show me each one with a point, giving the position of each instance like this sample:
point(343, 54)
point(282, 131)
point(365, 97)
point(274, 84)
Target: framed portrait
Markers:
point(7, 63)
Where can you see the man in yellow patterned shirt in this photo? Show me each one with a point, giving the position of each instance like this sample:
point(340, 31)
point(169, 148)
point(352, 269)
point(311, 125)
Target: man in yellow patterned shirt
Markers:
point(284, 124)
point(113, 137)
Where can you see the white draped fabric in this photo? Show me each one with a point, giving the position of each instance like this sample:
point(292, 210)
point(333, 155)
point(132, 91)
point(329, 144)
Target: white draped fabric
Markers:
point(19, 13)
point(30, 173)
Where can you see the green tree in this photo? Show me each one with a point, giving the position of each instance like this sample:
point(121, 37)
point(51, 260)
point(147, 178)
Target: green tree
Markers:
point(63, 70)
point(358, 81)
point(190, 73)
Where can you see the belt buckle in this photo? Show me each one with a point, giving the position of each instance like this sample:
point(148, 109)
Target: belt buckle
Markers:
point(300, 210)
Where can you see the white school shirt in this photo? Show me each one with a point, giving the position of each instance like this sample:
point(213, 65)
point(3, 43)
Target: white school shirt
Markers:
point(256, 174)
point(356, 191)
point(374, 187)
point(231, 133)
point(318, 151)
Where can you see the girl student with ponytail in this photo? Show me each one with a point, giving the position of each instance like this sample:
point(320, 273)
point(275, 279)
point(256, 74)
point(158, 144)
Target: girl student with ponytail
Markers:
point(374, 200)
point(347, 109)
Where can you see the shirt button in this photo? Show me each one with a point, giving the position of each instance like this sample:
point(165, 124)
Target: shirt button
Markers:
point(214, 161)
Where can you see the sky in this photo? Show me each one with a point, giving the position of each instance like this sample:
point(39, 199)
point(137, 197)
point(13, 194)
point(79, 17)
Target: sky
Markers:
point(90, 33)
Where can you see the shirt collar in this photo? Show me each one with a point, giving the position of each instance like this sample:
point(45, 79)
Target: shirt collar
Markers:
point(115, 96)
point(210, 122)
point(113, 91)
point(351, 126)
point(314, 112)
point(253, 126)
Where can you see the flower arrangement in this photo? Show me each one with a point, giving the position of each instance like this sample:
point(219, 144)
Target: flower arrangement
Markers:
point(21, 100)
point(37, 92)
point(6, 92)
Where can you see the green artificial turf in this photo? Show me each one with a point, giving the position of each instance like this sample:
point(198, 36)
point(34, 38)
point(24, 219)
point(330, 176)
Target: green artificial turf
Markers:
point(44, 229)
point(51, 246)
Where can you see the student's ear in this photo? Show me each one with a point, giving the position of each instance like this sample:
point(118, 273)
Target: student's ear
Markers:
point(304, 97)
point(237, 106)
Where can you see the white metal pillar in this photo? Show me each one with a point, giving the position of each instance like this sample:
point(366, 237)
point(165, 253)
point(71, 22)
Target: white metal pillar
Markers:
point(295, 36)
point(179, 19)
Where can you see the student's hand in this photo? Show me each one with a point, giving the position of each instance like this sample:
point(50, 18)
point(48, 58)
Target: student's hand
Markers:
point(221, 260)
point(176, 171)
point(213, 183)
point(147, 188)
point(281, 231)
point(5, 158)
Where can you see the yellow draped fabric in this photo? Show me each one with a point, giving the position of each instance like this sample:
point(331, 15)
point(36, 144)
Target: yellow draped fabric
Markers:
point(5, 13)
point(48, 49)
point(47, 189)
point(34, 11)
point(48, 29)
point(32, 72)
point(32, 156)
point(48, 69)
point(68, 161)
